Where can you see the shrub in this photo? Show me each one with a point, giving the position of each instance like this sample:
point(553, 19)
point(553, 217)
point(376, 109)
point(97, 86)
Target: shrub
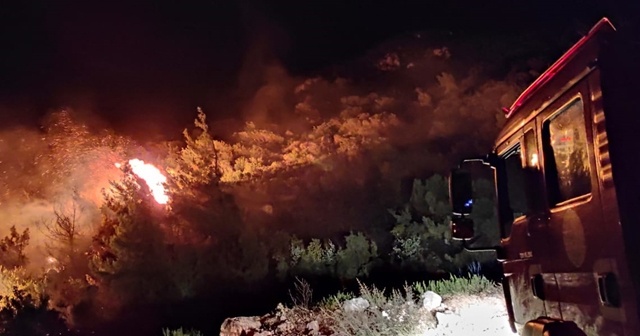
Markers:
point(395, 314)
point(316, 258)
point(12, 248)
point(424, 244)
point(456, 285)
point(303, 294)
point(334, 301)
point(180, 332)
point(357, 258)
point(23, 307)
point(12, 280)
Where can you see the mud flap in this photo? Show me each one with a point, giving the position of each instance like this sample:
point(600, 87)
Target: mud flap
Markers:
point(544, 326)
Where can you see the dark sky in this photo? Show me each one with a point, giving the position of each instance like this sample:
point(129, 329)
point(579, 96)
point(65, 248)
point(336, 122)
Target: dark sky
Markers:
point(131, 61)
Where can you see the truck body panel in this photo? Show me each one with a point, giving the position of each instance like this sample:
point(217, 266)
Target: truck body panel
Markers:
point(571, 245)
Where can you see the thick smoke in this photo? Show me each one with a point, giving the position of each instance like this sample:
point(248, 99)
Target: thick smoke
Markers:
point(354, 134)
point(446, 108)
point(343, 146)
point(62, 167)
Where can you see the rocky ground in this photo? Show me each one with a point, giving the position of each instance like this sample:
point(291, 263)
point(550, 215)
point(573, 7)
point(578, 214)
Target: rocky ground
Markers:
point(464, 315)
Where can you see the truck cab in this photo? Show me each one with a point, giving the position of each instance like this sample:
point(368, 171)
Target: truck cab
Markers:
point(565, 167)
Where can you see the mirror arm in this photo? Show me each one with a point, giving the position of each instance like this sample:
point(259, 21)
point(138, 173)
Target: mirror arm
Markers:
point(468, 248)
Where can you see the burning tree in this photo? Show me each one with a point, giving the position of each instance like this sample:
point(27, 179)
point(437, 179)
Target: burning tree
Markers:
point(12, 249)
point(129, 243)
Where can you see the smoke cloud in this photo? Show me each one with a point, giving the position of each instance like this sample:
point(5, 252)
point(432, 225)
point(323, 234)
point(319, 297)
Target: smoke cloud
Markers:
point(63, 165)
point(355, 133)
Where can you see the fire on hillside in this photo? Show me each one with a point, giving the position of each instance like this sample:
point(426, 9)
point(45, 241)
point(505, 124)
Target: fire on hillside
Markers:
point(152, 176)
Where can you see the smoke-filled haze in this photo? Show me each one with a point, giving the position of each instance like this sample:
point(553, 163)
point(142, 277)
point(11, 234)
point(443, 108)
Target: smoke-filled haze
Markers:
point(365, 95)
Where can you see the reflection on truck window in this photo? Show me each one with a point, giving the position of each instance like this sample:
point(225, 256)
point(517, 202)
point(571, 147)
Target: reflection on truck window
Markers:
point(516, 181)
point(531, 150)
point(567, 164)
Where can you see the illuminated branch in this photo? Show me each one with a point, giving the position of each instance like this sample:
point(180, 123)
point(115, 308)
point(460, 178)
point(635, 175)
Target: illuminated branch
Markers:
point(63, 228)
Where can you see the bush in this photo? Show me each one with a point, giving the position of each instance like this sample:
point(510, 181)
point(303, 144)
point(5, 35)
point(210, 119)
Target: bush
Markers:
point(392, 315)
point(303, 294)
point(334, 301)
point(180, 332)
point(356, 259)
point(18, 279)
point(425, 244)
point(12, 249)
point(457, 285)
point(316, 258)
point(24, 308)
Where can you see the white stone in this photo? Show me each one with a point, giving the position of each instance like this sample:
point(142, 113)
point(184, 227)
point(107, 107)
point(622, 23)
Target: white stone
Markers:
point(355, 305)
point(431, 300)
point(313, 326)
point(238, 325)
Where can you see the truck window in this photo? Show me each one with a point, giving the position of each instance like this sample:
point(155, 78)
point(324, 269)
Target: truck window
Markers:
point(567, 167)
point(516, 181)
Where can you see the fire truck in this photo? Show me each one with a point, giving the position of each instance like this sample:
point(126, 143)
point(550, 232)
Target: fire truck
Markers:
point(566, 168)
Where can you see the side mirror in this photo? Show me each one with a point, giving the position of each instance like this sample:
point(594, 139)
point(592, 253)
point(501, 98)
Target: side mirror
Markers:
point(461, 191)
point(462, 228)
point(461, 198)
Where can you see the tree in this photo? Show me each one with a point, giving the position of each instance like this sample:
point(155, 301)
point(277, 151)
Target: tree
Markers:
point(357, 258)
point(422, 237)
point(128, 254)
point(431, 197)
point(24, 306)
point(63, 232)
point(197, 162)
point(12, 249)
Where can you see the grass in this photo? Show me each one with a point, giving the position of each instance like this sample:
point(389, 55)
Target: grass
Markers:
point(391, 312)
point(180, 332)
point(459, 285)
point(397, 311)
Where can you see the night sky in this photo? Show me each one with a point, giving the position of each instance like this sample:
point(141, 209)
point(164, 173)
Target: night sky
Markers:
point(150, 64)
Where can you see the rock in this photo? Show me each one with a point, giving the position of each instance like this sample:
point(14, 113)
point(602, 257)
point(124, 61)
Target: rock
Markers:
point(431, 300)
point(426, 322)
point(450, 320)
point(355, 305)
point(238, 326)
point(285, 327)
point(313, 327)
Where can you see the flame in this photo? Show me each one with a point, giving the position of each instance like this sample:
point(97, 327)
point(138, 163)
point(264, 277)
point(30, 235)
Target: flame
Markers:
point(153, 177)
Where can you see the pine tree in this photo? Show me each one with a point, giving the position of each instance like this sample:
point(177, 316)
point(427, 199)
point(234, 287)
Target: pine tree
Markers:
point(12, 248)
point(128, 252)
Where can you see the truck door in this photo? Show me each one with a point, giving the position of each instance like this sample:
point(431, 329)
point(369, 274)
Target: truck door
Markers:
point(533, 293)
point(567, 235)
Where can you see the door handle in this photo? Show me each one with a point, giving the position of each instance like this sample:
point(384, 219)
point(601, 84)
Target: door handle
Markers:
point(537, 286)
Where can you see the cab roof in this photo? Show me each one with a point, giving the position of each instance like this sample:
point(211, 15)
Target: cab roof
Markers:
point(603, 24)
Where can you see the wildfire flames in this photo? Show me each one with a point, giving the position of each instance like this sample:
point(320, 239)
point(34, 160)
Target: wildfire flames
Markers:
point(153, 177)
